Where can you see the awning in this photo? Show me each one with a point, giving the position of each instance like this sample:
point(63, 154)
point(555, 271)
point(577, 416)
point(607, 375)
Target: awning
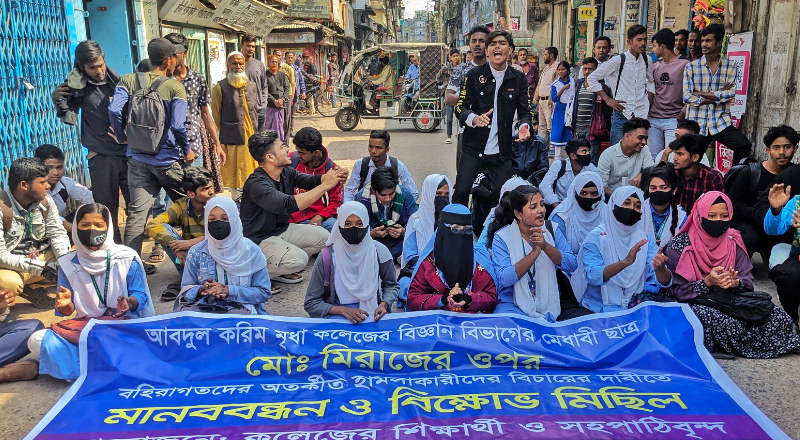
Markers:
point(237, 15)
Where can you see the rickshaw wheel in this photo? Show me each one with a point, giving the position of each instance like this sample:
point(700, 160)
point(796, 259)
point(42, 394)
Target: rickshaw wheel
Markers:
point(424, 121)
point(346, 118)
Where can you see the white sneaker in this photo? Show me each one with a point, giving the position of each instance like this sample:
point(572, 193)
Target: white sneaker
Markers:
point(448, 141)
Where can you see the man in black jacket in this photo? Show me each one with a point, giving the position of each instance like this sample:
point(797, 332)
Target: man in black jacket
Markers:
point(490, 97)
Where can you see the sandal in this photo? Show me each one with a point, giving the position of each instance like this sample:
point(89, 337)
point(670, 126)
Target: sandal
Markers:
point(149, 269)
point(284, 280)
point(157, 255)
point(275, 289)
point(171, 293)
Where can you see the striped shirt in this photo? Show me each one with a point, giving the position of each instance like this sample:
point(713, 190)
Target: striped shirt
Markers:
point(585, 110)
point(706, 179)
point(179, 214)
point(714, 117)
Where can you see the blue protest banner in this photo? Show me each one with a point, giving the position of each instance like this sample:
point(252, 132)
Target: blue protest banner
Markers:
point(640, 374)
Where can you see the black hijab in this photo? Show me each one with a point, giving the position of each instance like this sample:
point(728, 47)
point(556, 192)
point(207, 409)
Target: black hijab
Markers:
point(453, 253)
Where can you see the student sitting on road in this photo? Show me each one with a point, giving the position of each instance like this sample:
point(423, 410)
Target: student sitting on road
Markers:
point(582, 209)
point(510, 185)
point(694, 178)
point(364, 285)
point(662, 204)
point(14, 343)
point(784, 216)
point(62, 188)
point(378, 158)
point(563, 171)
point(390, 205)
point(312, 158)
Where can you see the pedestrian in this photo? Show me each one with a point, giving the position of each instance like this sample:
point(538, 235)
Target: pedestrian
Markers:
point(311, 157)
point(681, 41)
point(622, 163)
point(476, 57)
point(591, 117)
point(667, 106)
point(630, 76)
point(256, 74)
point(148, 173)
point(310, 75)
point(709, 86)
point(488, 118)
point(443, 77)
point(600, 52)
point(333, 77)
point(694, 178)
point(288, 107)
point(694, 45)
point(233, 104)
point(88, 89)
point(562, 92)
point(278, 97)
point(542, 98)
point(63, 189)
point(378, 158)
point(299, 89)
point(531, 71)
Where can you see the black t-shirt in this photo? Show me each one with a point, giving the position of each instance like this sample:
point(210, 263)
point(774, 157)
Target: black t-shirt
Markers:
point(267, 204)
point(743, 197)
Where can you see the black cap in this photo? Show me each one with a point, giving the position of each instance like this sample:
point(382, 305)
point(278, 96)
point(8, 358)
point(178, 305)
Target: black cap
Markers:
point(159, 49)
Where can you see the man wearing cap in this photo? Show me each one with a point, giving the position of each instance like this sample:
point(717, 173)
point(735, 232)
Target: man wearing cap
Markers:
point(257, 74)
point(149, 173)
point(310, 76)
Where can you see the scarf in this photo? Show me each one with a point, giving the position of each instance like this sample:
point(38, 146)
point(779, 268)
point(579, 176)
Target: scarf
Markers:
point(357, 274)
point(577, 222)
point(397, 205)
point(704, 251)
point(546, 298)
point(236, 255)
point(453, 253)
point(110, 261)
point(423, 221)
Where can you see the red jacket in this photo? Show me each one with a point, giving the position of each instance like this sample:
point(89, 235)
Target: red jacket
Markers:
point(328, 204)
point(427, 288)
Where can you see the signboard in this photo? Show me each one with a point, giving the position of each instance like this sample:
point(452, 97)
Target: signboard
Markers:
point(587, 13)
point(217, 57)
point(631, 13)
point(637, 374)
point(581, 29)
point(739, 51)
point(578, 3)
point(723, 155)
point(486, 9)
point(669, 21)
point(310, 9)
point(245, 15)
point(291, 37)
point(514, 23)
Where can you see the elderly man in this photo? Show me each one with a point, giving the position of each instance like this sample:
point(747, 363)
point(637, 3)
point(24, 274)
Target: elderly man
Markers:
point(278, 97)
point(233, 105)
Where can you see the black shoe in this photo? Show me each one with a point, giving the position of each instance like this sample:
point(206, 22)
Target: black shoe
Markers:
point(39, 297)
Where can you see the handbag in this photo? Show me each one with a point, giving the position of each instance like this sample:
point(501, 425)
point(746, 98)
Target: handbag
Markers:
point(754, 308)
point(70, 329)
point(598, 127)
point(212, 306)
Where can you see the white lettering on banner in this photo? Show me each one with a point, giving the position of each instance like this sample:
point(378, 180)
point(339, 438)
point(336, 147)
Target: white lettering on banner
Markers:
point(147, 390)
point(488, 426)
point(243, 330)
point(442, 379)
point(468, 328)
point(424, 331)
point(621, 330)
point(633, 377)
point(584, 334)
point(316, 382)
point(350, 434)
point(357, 337)
point(645, 425)
point(574, 378)
point(164, 334)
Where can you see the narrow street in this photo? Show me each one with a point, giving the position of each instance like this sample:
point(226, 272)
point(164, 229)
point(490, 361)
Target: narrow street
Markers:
point(772, 385)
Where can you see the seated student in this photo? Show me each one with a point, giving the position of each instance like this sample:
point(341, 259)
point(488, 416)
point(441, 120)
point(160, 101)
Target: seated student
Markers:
point(62, 188)
point(225, 273)
point(620, 259)
point(14, 343)
point(510, 185)
point(694, 178)
point(33, 235)
point(378, 158)
point(622, 164)
point(685, 126)
point(269, 200)
point(562, 172)
point(783, 216)
point(99, 279)
point(781, 144)
point(582, 210)
point(421, 225)
point(662, 204)
point(526, 251)
point(454, 274)
point(312, 158)
point(187, 214)
point(390, 205)
point(708, 259)
point(356, 279)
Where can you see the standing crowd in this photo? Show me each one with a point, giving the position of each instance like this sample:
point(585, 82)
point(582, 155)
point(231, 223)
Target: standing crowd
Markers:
point(628, 211)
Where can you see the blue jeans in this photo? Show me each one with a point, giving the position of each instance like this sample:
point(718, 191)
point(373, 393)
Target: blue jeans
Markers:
point(198, 161)
point(161, 203)
point(328, 223)
point(168, 250)
point(448, 111)
point(661, 133)
point(617, 119)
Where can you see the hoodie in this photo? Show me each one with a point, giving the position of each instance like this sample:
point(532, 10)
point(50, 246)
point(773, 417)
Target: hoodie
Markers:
point(328, 204)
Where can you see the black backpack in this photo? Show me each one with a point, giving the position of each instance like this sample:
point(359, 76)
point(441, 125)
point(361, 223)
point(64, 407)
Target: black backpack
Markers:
point(525, 158)
point(365, 170)
point(622, 66)
point(747, 165)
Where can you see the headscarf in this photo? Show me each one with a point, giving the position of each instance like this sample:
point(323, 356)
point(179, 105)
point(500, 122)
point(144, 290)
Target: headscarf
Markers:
point(423, 221)
point(235, 254)
point(510, 185)
point(706, 252)
point(577, 222)
point(94, 263)
point(453, 253)
point(357, 266)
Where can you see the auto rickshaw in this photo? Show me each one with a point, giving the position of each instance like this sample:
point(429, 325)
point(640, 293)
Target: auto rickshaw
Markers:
point(398, 98)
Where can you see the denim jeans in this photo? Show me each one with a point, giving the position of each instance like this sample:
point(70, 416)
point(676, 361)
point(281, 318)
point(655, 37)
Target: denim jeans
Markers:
point(168, 250)
point(617, 119)
point(328, 223)
point(448, 109)
point(661, 133)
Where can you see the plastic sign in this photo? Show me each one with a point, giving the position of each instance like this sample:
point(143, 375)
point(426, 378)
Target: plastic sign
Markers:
point(586, 13)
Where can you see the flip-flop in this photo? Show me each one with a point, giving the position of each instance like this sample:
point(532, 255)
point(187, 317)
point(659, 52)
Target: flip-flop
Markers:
point(273, 289)
point(149, 269)
point(172, 292)
point(285, 280)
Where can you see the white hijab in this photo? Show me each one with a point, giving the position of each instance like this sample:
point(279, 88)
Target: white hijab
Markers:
point(510, 185)
point(236, 255)
point(94, 263)
point(547, 296)
point(356, 273)
point(577, 222)
point(422, 221)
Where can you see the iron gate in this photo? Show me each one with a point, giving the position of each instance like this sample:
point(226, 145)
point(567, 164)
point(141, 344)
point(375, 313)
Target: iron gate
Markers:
point(36, 44)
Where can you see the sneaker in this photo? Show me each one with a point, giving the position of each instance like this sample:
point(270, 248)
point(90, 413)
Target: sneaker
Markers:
point(39, 297)
point(448, 141)
point(20, 370)
point(552, 152)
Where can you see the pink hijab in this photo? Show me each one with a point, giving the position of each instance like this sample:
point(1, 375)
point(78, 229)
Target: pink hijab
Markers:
point(707, 252)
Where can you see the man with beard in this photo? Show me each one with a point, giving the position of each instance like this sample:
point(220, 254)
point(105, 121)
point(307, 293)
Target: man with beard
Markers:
point(531, 71)
point(694, 46)
point(278, 97)
point(681, 41)
point(233, 104)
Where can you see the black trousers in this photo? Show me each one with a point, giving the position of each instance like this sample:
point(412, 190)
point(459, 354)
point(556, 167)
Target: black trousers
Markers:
point(109, 176)
point(787, 278)
point(470, 166)
point(756, 240)
point(732, 138)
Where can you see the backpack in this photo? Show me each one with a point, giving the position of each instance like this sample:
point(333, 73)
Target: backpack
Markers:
point(146, 117)
point(747, 165)
point(365, 170)
point(622, 66)
point(561, 172)
point(526, 158)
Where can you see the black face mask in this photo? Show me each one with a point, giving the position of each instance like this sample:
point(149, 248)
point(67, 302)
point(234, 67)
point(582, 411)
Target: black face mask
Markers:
point(715, 228)
point(439, 203)
point(584, 159)
point(660, 197)
point(219, 230)
point(354, 235)
point(92, 237)
point(627, 216)
point(587, 203)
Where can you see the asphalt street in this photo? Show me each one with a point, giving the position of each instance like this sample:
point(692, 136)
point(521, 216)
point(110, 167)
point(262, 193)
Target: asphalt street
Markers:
point(773, 385)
